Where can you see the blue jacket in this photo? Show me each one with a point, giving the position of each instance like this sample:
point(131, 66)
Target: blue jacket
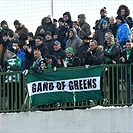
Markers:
point(123, 33)
point(21, 54)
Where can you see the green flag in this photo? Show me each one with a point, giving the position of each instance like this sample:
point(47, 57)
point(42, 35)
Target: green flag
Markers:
point(65, 85)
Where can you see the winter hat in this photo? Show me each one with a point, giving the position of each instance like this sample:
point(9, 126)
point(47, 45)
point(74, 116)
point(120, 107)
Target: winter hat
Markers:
point(16, 22)
point(70, 50)
point(11, 51)
point(30, 34)
point(121, 18)
point(103, 10)
point(110, 38)
point(57, 43)
point(3, 22)
point(104, 21)
point(48, 33)
point(61, 20)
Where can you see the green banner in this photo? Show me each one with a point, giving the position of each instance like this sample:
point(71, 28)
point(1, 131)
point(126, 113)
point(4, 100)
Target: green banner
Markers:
point(65, 85)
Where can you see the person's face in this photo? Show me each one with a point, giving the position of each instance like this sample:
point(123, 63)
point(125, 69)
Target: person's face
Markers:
point(118, 21)
point(104, 25)
point(5, 38)
point(48, 37)
point(93, 45)
point(4, 26)
point(17, 26)
point(61, 23)
point(106, 36)
point(122, 12)
point(70, 34)
point(128, 45)
point(48, 20)
point(38, 42)
point(65, 17)
point(68, 54)
point(103, 14)
point(111, 20)
point(36, 54)
point(74, 25)
point(49, 61)
point(56, 47)
point(15, 46)
point(110, 43)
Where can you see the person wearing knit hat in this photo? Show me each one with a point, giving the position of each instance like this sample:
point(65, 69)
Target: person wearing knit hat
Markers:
point(71, 60)
point(121, 18)
point(30, 34)
point(16, 22)
point(11, 52)
point(70, 50)
point(61, 20)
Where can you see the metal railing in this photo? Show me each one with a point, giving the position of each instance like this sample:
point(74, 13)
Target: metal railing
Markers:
point(116, 88)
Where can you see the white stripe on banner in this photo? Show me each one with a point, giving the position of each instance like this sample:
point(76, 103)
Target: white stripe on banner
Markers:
point(71, 85)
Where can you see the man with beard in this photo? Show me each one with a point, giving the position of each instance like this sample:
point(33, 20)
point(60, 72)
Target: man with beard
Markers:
point(94, 54)
point(83, 48)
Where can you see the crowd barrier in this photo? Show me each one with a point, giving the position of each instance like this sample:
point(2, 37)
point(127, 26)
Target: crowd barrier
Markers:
point(115, 88)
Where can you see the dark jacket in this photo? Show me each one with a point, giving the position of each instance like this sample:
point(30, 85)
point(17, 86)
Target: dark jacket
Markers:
point(43, 23)
point(113, 28)
point(81, 51)
point(112, 56)
point(60, 32)
point(29, 57)
point(85, 27)
point(49, 44)
point(50, 27)
point(94, 57)
point(60, 53)
point(23, 34)
point(100, 34)
point(43, 48)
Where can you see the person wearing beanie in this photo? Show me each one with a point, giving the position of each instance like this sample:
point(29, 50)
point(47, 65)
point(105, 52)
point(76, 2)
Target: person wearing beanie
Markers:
point(124, 11)
point(21, 33)
point(67, 18)
point(103, 14)
point(74, 41)
point(60, 33)
point(71, 60)
point(123, 32)
point(111, 56)
point(13, 63)
point(55, 22)
point(49, 42)
point(85, 27)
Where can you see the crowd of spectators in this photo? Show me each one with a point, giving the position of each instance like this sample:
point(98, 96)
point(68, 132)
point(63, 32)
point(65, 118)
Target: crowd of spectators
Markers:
point(68, 43)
